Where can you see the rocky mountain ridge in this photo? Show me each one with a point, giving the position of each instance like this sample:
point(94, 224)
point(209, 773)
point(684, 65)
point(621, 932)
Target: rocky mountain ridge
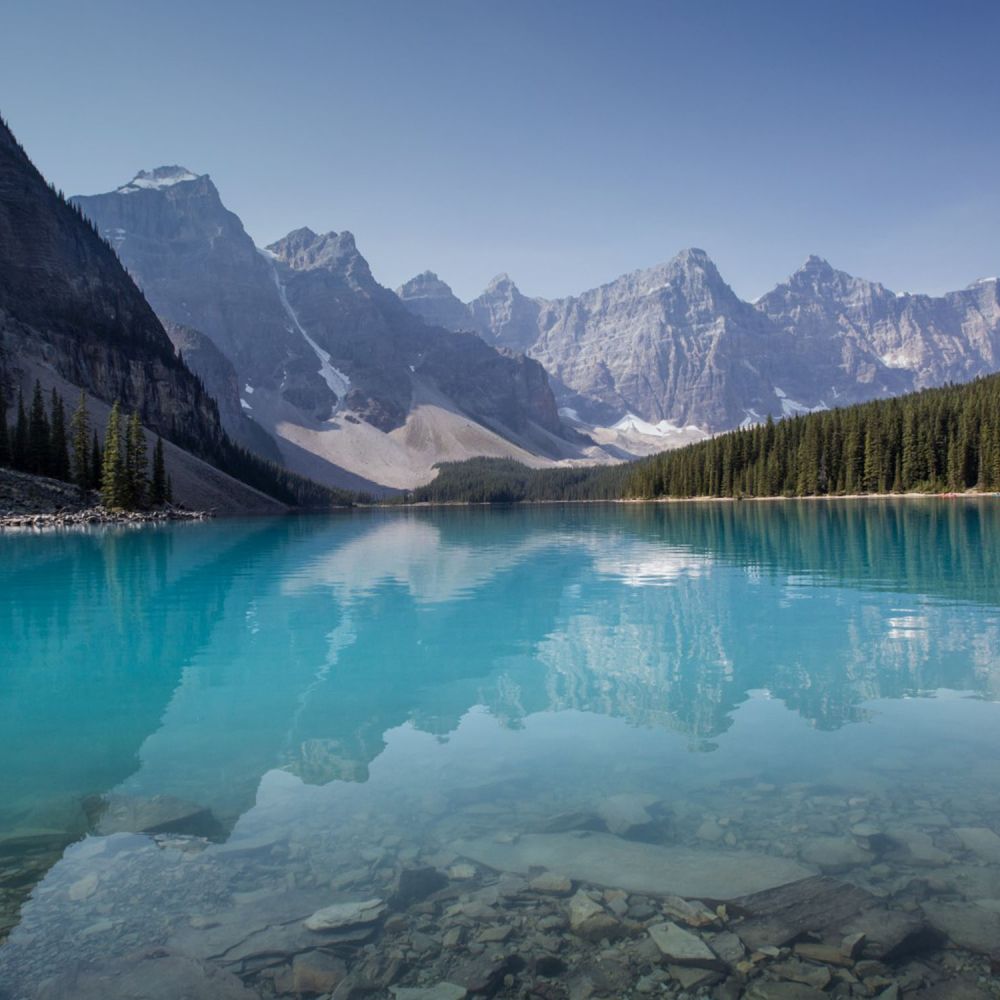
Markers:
point(346, 379)
point(72, 319)
point(674, 343)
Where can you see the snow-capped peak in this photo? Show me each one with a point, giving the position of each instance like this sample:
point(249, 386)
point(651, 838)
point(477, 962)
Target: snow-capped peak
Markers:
point(157, 179)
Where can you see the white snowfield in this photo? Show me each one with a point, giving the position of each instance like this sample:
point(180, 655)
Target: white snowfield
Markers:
point(664, 428)
point(792, 408)
point(157, 180)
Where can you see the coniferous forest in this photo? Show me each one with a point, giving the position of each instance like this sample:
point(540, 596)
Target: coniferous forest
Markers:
point(937, 440)
point(42, 439)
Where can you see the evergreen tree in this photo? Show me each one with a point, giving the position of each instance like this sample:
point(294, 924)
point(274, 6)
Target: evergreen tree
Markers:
point(114, 474)
point(135, 463)
point(158, 485)
point(924, 441)
point(80, 435)
point(5, 453)
point(96, 463)
point(38, 434)
point(58, 448)
point(19, 445)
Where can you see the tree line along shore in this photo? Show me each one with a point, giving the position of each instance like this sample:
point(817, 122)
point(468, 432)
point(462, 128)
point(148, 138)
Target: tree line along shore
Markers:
point(944, 440)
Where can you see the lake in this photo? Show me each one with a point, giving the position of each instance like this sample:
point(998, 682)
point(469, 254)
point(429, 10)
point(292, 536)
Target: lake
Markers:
point(212, 731)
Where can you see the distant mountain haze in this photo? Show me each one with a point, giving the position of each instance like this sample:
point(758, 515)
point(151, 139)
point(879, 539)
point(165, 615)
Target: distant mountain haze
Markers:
point(674, 343)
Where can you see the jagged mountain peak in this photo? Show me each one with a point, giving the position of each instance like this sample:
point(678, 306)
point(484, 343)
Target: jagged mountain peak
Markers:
point(427, 283)
point(695, 256)
point(160, 178)
point(432, 299)
point(981, 282)
point(305, 250)
point(815, 263)
point(501, 282)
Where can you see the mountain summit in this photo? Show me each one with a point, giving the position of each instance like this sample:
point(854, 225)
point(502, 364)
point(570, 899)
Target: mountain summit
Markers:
point(159, 178)
point(673, 342)
point(354, 388)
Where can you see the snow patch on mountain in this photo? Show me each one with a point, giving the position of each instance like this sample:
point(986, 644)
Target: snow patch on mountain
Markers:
point(630, 423)
point(793, 408)
point(900, 357)
point(338, 383)
point(157, 180)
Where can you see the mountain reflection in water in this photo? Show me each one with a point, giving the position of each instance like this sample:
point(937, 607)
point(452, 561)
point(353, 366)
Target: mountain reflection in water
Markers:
point(193, 660)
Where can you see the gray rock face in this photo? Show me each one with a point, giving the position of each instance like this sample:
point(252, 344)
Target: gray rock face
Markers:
point(378, 345)
point(603, 859)
point(432, 300)
point(675, 343)
point(219, 377)
point(850, 339)
point(305, 320)
point(506, 316)
point(199, 268)
point(67, 304)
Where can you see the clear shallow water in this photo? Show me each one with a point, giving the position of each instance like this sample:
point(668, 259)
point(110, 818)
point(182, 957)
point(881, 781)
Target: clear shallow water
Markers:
point(344, 695)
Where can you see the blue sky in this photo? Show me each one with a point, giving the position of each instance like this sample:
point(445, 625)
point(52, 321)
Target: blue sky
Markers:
point(562, 142)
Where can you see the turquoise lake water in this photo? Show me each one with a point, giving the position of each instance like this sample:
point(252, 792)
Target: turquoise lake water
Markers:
point(409, 679)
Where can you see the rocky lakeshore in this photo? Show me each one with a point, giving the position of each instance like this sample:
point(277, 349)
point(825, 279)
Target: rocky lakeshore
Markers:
point(556, 912)
point(97, 516)
point(36, 502)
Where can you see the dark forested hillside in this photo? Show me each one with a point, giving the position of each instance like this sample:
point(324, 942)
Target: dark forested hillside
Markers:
point(67, 306)
point(932, 441)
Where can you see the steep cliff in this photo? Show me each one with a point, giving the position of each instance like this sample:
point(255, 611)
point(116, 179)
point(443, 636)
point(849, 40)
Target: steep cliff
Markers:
point(327, 360)
point(67, 303)
point(674, 343)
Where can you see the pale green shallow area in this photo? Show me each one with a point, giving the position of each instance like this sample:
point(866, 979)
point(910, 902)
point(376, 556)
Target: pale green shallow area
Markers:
point(688, 674)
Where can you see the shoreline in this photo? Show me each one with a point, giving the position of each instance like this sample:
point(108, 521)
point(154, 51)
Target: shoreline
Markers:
point(99, 516)
point(677, 500)
point(90, 516)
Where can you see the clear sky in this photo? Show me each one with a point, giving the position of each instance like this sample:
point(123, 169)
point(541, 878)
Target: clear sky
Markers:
point(562, 141)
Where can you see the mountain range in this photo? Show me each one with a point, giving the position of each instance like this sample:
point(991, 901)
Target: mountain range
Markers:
point(673, 345)
point(302, 357)
point(351, 388)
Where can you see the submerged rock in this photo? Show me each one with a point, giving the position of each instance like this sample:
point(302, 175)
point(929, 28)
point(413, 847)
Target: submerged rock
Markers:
point(551, 884)
point(442, 991)
point(317, 972)
point(610, 861)
point(835, 854)
point(622, 813)
point(784, 991)
point(156, 975)
point(681, 947)
point(590, 920)
point(346, 915)
point(833, 911)
point(968, 926)
point(158, 814)
point(415, 885)
point(982, 842)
